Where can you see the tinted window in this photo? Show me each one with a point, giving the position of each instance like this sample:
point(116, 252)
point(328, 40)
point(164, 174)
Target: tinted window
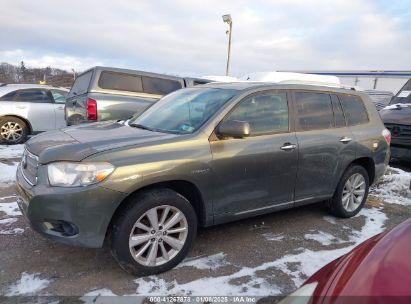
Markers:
point(120, 82)
point(354, 109)
point(32, 95)
point(9, 96)
point(160, 86)
point(59, 96)
point(81, 84)
point(314, 111)
point(266, 113)
point(338, 112)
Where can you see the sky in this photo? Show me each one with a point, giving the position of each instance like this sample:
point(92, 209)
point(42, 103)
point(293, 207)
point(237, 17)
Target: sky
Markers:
point(189, 38)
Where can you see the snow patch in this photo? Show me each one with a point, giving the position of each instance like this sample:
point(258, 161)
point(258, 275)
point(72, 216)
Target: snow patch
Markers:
point(29, 284)
point(8, 221)
point(10, 209)
point(13, 151)
point(7, 173)
point(330, 219)
point(212, 262)
point(393, 187)
point(323, 238)
point(12, 231)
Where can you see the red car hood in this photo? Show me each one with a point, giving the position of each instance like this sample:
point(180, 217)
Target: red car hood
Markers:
point(381, 266)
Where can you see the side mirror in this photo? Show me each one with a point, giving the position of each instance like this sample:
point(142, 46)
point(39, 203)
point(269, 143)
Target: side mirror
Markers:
point(234, 128)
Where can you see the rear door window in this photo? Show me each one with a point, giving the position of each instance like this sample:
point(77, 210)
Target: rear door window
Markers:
point(314, 111)
point(33, 95)
point(120, 82)
point(339, 118)
point(160, 86)
point(354, 109)
point(81, 84)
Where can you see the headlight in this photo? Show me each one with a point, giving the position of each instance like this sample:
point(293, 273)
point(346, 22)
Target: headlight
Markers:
point(71, 174)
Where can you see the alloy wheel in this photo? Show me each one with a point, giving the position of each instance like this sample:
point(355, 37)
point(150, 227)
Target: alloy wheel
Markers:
point(353, 192)
point(11, 131)
point(158, 235)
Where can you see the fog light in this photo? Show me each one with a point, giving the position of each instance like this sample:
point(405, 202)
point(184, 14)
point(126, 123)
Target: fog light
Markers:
point(62, 227)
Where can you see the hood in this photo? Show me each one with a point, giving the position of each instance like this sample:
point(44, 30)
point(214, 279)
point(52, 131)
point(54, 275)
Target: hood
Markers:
point(78, 142)
point(397, 114)
point(380, 266)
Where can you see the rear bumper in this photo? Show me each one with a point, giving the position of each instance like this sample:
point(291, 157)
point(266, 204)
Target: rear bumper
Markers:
point(87, 210)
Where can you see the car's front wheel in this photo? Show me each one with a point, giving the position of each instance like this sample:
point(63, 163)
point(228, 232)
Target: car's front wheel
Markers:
point(351, 193)
point(13, 130)
point(153, 232)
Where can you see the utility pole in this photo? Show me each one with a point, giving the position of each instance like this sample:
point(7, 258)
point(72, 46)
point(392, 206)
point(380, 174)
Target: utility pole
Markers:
point(227, 19)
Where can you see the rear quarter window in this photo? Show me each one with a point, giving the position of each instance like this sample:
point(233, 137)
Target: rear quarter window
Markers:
point(120, 82)
point(81, 84)
point(160, 86)
point(354, 109)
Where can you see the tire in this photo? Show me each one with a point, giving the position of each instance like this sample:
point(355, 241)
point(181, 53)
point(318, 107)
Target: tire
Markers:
point(351, 207)
point(136, 212)
point(13, 130)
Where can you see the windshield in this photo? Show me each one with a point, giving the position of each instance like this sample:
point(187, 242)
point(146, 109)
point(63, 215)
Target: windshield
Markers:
point(183, 111)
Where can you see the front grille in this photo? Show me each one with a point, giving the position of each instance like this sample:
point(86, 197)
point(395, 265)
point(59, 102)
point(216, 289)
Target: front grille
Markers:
point(29, 165)
point(399, 131)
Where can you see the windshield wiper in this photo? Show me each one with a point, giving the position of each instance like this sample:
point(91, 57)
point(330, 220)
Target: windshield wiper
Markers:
point(140, 126)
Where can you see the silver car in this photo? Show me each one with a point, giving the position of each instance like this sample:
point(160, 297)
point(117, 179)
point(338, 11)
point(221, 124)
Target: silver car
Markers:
point(27, 109)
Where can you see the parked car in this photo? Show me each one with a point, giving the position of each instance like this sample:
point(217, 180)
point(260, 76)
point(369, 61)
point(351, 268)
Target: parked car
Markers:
point(380, 98)
point(27, 109)
point(376, 270)
point(104, 93)
point(201, 156)
point(397, 118)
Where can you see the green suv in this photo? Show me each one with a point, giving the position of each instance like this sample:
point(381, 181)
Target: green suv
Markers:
point(199, 157)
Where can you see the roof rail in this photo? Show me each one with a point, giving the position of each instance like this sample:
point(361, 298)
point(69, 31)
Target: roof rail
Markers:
point(320, 83)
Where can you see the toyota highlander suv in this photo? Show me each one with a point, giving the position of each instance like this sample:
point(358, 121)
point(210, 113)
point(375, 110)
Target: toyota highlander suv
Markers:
point(201, 156)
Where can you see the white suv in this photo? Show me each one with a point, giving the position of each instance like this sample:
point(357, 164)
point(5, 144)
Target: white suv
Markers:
point(27, 109)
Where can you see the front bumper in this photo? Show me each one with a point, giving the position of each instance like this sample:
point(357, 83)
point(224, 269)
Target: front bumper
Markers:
point(401, 153)
point(87, 209)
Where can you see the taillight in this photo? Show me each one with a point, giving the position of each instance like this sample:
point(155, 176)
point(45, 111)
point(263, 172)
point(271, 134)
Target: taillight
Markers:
point(91, 106)
point(387, 135)
point(65, 113)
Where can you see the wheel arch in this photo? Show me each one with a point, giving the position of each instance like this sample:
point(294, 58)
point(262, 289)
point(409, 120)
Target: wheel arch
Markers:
point(23, 119)
point(368, 164)
point(185, 188)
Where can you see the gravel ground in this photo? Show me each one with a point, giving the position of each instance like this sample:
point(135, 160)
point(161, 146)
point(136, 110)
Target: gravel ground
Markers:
point(258, 257)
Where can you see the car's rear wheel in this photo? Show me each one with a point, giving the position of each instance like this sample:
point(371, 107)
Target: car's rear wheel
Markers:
point(153, 232)
point(13, 130)
point(351, 193)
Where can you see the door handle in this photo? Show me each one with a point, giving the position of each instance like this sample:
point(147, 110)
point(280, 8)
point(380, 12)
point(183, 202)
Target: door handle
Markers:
point(21, 107)
point(288, 147)
point(345, 139)
point(60, 108)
